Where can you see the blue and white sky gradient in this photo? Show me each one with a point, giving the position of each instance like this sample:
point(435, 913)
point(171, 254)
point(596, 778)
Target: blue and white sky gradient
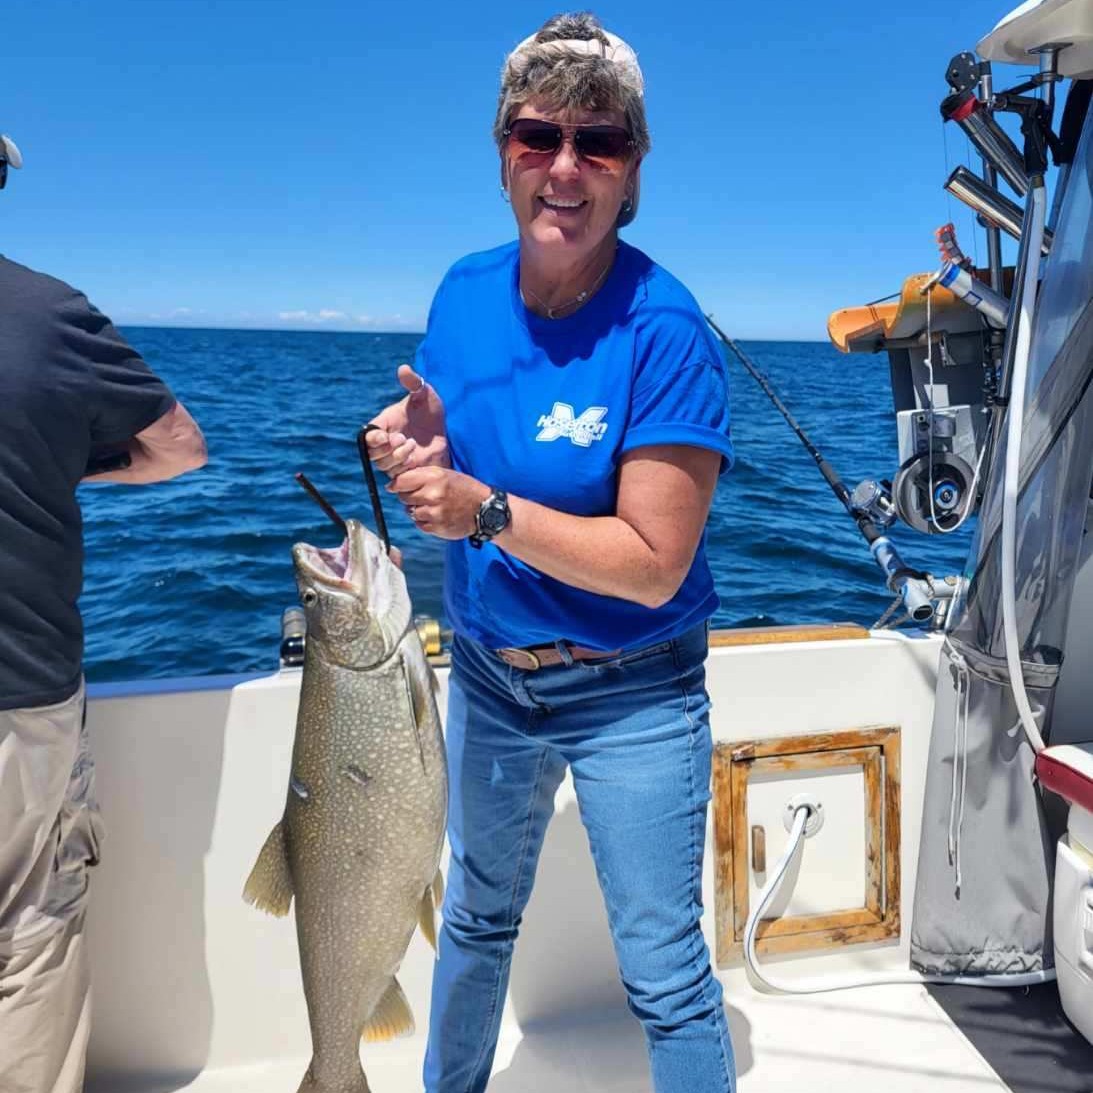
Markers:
point(275, 164)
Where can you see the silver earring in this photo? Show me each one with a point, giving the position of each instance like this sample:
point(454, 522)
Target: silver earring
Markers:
point(627, 205)
point(505, 195)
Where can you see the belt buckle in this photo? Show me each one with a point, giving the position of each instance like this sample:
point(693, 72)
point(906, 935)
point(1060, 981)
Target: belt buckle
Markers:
point(520, 658)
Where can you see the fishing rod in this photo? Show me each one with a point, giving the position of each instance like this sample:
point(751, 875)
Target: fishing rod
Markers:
point(912, 585)
point(370, 478)
point(328, 508)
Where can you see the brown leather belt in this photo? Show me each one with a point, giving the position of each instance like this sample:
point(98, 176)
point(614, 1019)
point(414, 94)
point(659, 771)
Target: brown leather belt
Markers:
point(535, 657)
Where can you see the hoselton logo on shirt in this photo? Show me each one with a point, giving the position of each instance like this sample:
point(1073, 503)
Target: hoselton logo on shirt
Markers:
point(582, 430)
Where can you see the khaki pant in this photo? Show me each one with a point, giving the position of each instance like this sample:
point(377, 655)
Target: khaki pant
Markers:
point(49, 836)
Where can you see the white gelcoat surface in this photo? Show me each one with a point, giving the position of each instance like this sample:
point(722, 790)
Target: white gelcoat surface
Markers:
point(195, 990)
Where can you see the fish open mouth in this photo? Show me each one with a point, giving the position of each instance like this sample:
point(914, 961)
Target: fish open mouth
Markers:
point(342, 567)
point(355, 566)
point(329, 566)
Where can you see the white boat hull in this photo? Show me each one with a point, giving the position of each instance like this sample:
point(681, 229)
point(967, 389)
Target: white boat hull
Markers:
point(194, 989)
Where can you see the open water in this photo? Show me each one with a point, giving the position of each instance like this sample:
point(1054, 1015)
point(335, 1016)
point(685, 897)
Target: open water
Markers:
point(190, 577)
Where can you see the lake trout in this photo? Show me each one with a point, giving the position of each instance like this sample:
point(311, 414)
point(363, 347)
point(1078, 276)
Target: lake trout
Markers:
point(360, 840)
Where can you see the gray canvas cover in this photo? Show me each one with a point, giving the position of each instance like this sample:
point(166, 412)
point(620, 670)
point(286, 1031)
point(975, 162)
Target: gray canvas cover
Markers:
point(986, 854)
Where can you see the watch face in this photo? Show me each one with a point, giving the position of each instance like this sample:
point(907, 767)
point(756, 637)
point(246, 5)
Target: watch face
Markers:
point(493, 520)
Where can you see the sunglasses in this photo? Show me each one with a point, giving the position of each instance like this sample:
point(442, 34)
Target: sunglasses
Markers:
point(604, 143)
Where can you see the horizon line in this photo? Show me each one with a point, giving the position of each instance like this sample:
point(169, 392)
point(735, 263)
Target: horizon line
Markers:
point(122, 325)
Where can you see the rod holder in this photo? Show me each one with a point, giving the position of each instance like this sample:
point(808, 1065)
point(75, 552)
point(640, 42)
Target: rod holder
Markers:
point(975, 294)
point(995, 208)
point(913, 590)
point(989, 138)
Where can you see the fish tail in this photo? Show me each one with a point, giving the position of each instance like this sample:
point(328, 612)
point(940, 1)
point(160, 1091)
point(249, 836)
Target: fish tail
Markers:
point(427, 910)
point(311, 1084)
point(392, 1016)
point(269, 886)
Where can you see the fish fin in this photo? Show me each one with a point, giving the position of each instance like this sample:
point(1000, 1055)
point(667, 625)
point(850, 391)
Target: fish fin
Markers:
point(421, 683)
point(416, 691)
point(310, 1085)
point(391, 1017)
point(409, 680)
point(432, 679)
point(426, 913)
point(269, 886)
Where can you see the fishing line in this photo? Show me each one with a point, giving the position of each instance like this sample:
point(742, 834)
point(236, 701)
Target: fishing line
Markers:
point(975, 234)
point(911, 584)
point(945, 147)
point(838, 487)
point(830, 476)
point(930, 367)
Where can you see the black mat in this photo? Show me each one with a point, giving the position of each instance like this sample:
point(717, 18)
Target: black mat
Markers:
point(1024, 1035)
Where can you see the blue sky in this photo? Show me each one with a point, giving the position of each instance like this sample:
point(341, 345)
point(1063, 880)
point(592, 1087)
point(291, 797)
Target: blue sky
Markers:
point(319, 165)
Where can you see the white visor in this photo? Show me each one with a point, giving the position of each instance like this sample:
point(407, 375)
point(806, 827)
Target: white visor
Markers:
point(616, 50)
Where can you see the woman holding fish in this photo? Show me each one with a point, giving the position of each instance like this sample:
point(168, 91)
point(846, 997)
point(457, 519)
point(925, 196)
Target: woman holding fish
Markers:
point(565, 428)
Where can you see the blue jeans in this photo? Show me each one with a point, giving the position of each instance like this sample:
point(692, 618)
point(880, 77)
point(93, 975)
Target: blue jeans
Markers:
point(635, 732)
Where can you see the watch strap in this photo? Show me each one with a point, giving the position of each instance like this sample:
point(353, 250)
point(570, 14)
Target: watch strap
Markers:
point(497, 501)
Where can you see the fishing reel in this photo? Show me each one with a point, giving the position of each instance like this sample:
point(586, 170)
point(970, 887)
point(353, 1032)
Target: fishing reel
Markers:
point(873, 500)
point(434, 640)
point(928, 494)
point(942, 392)
point(933, 494)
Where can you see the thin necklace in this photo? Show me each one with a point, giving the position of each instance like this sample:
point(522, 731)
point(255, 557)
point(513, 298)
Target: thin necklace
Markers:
point(551, 312)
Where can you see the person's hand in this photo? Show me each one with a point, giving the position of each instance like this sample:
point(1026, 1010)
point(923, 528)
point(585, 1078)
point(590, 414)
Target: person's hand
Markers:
point(411, 432)
point(440, 501)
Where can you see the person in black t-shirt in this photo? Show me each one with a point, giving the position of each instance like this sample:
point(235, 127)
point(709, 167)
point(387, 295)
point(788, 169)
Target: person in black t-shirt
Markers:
point(76, 404)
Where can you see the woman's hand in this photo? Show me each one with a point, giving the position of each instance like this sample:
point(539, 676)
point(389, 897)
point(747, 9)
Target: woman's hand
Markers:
point(440, 501)
point(411, 432)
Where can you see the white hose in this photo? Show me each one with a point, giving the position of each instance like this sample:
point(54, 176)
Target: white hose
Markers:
point(842, 983)
point(1012, 479)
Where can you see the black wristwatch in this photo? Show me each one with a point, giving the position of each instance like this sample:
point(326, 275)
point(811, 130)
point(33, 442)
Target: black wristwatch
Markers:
point(492, 518)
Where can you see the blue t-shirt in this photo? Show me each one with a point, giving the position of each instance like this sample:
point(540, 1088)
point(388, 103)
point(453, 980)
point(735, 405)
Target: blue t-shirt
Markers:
point(545, 409)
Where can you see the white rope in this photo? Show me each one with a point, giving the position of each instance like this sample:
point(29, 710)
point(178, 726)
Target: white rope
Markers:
point(1011, 480)
point(960, 761)
point(973, 488)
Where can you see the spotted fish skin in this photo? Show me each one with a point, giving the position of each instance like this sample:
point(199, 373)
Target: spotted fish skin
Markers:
point(359, 844)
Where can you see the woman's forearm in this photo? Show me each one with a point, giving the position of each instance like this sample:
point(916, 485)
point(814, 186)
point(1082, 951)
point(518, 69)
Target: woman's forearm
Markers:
point(642, 552)
point(602, 554)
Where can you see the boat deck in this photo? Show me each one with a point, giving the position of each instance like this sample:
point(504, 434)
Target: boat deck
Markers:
point(1025, 1036)
point(894, 1039)
point(196, 991)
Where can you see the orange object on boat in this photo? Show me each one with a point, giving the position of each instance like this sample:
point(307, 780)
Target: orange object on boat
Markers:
point(867, 329)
